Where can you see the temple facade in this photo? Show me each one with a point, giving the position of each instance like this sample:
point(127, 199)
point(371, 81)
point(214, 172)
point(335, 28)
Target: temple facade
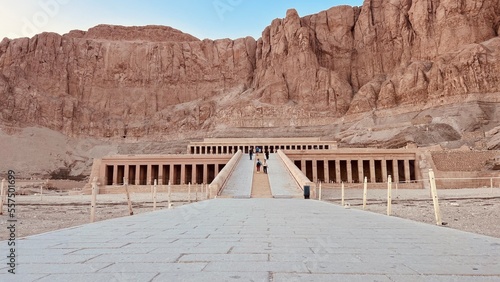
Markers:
point(319, 160)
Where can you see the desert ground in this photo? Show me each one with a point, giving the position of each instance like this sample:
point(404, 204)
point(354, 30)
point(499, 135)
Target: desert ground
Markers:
point(472, 210)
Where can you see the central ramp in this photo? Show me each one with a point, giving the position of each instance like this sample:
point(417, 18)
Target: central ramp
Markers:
point(245, 182)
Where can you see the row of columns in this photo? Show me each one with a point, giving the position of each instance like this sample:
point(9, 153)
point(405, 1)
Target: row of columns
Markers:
point(231, 149)
point(145, 174)
point(371, 173)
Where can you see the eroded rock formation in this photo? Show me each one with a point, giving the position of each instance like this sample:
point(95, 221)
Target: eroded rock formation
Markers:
point(153, 81)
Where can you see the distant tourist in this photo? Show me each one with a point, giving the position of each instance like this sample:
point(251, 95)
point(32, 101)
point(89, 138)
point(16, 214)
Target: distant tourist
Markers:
point(267, 154)
point(250, 153)
point(264, 166)
point(258, 165)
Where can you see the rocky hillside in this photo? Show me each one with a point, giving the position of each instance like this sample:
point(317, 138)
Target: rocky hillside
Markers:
point(383, 74)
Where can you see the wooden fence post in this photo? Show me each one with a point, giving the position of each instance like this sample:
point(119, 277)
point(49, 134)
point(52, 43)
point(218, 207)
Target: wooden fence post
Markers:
point(131, 212)
point(196, 193)
point(365, 191)
point(154, 194)
point(319, 196)
point(93, 201)
point(389, 195)
point(169, 195)
point(435, 201)
point(343, 193)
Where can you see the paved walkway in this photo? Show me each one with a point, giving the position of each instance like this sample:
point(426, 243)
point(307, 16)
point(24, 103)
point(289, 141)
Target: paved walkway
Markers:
point(256, 240)
point(239, 184)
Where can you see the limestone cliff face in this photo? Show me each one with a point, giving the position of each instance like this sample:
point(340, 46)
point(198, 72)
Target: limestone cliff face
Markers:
point(147, 81)
point(103, 83)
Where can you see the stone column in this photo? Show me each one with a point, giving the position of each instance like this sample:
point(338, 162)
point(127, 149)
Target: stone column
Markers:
point(115, 174)
point(137, 174)
point(303, 166)
point(384, 170)
point(395, 171)
point(349, 170)
point(126, 172)
point(360, 171)
point(183, 173)
point(315, 170)
point(193, 173)
point(327, 171)
point(337, 170)
point(373, 179)
point(407, 171)
point(205, 173)
point(160, 174)
point(149, 175)
point(171, 174)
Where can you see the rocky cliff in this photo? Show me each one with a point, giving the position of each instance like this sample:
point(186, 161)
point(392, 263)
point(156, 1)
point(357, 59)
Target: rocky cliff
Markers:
point(379, 74)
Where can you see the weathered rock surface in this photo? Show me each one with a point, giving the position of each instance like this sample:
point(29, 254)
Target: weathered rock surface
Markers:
point(382, 74)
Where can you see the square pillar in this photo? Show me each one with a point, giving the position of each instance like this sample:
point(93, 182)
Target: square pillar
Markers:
point(384, 169)
point(315, 170)
point(303, 166)
point(160, 174)
point(183, 173)
point(349, 170)
point(205, 173)
point(137, 175)
point(326, 172)
point(171, 174)
point(115, 174)
point(149, 175)
point(360, 171)
point(395, 171)
point(373, 179)
point(193, 173)
point(407, 171)
point(337, 171)
point(125, 174)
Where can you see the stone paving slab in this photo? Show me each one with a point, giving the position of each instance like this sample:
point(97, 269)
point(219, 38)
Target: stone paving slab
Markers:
point(256, 240)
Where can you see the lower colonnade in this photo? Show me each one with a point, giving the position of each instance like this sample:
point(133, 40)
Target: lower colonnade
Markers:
point(319, 163)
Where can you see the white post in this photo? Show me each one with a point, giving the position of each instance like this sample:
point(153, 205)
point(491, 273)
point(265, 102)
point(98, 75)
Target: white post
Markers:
point(131, 212)
point(154, 194)
point(93, 200)
point(435, 201)
point(389, 195)
point(365, 191)
point(343, 194)
point(169, 195)
point(2, 193)
point(189, 192)
point(319, 196)
point(196, 193)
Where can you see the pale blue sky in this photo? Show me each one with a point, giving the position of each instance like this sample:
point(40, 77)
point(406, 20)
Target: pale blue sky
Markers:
point(212, 19)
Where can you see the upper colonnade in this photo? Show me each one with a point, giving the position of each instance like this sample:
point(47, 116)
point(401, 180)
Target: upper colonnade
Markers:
point(232, 145)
